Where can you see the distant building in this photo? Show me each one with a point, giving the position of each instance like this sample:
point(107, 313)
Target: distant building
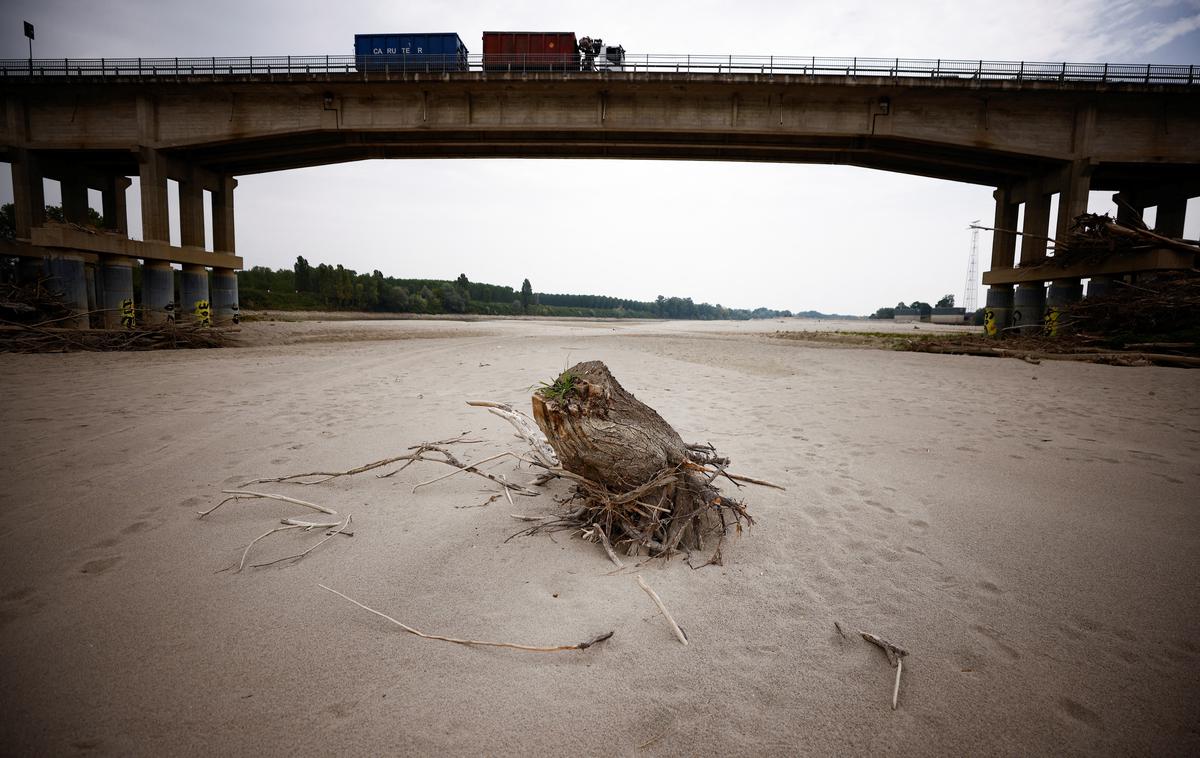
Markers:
point(949, 315)
point(909, 314)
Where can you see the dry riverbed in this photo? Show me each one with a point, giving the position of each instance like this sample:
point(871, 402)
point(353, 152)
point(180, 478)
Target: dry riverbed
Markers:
point(1029, 533)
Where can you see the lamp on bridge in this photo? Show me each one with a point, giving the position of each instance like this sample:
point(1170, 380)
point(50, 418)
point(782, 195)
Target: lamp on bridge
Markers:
point(885, 105)
point(29, 34)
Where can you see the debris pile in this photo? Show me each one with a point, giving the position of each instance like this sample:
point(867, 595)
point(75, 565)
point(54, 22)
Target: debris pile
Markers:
point(1095, 237)
point(33, 318)
point(1162, 313)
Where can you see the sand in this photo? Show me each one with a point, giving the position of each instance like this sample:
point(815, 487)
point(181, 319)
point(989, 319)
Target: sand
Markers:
point(1029, 533)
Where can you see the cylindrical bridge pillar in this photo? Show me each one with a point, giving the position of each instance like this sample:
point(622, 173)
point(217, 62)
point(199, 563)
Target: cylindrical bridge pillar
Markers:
point(1029, 305)
point(158, 293)
point(998, 313)
point(1102, 286)
point(225, 297)
point(1062, 294)
point(194, 306)
point(116, 279)
point(68, 280)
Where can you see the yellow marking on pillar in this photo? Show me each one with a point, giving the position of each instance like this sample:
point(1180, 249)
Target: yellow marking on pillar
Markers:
point(1052, 327)
point(128, 318)
point(989, 322)
point(203, 313)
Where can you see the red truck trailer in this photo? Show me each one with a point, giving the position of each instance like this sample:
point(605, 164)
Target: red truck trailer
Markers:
point(530, 51)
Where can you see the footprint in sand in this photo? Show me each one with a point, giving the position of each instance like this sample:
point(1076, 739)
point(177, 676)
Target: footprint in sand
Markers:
point(136, 527)
point(880, 506)
point(1078, 712)
point(989, 587)
point(24, 601)
point(100, 565)
point(995, 638)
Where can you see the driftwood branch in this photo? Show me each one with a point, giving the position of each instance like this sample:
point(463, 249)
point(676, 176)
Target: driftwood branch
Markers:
point(410, 457)
point(472, 468)
point(253, 542)
point(239, 494)
point(662, 607)
point(480, 643)
point(895, 655)
point(527, 429)
point(340, 530)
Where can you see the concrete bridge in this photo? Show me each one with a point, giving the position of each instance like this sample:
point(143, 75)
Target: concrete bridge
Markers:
point(1030, 135)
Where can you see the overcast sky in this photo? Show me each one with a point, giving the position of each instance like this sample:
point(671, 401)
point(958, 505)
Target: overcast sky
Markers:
point(830, 238)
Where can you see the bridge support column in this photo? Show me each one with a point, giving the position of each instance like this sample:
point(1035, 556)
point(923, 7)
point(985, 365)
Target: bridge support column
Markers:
point(1072, 202)
point(29, 208)
point(191, 213)
point(998, 311)
point(999, 304)
point(1029, 301)
point(222, 211)
point(1074, 187)
point(93, 295)
point(224, 297)
point(68, 279)
point(1062, 293)
point(194, 305)
point(1129, 209)
point(74, 199)
point(1172, 213)
point(158, 293)
point(1100, 286)
point(116, 277)
point(225, 284)
point(113, 205)
point(152, 177)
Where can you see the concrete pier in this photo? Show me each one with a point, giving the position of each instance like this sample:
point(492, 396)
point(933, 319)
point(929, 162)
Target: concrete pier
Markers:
point(1099, 286)
point(116, 276)
point(68, 280)
point(194, 305)
point(158, 293)
point(1029, 303)
point(225, 297)
point(1061, 294)
point(998, 316)
point(998, 312)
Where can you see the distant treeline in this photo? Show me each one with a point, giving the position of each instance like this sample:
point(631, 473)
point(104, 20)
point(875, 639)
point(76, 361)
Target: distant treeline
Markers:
point(326, 287)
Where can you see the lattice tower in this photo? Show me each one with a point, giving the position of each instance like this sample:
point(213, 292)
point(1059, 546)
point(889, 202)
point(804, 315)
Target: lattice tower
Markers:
point(971, 290)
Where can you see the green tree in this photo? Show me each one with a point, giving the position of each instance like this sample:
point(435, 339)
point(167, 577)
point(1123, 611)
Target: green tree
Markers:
point(947, 301)
point(454, 299)
point(394, 299)
point(526, 295)
point(303, 271)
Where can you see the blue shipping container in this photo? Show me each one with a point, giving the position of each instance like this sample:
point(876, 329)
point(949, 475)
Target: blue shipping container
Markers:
point(410, 52)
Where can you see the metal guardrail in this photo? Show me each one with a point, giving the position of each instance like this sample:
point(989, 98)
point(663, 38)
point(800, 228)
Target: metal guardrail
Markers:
point(372, 67)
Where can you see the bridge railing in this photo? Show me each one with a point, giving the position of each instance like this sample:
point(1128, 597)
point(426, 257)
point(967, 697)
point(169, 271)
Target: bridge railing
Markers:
point(373, 67)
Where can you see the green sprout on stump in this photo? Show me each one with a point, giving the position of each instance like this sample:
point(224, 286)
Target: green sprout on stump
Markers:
point(560, 388)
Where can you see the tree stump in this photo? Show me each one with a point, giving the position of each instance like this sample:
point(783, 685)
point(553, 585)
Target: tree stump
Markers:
point(638, 481)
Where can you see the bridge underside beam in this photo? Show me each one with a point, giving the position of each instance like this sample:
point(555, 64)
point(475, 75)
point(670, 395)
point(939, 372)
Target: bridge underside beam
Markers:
point(326, 147)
